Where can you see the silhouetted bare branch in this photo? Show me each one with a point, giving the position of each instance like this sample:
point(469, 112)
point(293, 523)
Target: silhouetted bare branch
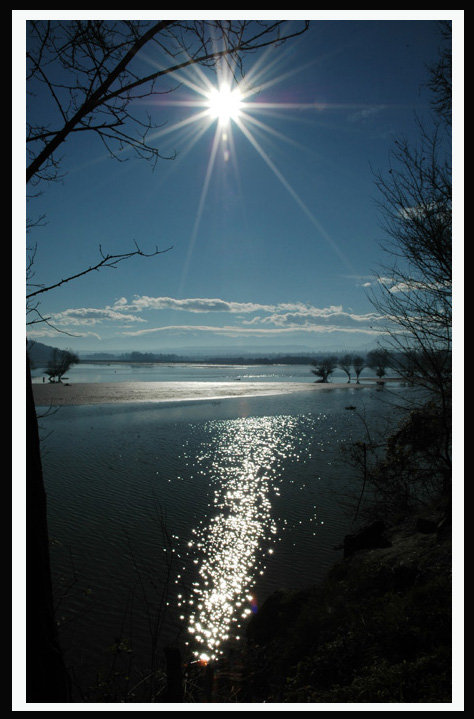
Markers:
point(92, 74)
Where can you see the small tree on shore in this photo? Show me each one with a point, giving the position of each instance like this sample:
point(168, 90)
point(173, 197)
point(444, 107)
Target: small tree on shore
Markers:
point(324, 368)
point(345, 363)
point(378, 360)
point(358, 364)
point(61, 361)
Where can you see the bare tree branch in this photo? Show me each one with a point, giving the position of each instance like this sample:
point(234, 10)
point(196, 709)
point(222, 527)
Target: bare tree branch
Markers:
point(91, 67)
point(106, 261)
point(93, 75)
point(413, 291)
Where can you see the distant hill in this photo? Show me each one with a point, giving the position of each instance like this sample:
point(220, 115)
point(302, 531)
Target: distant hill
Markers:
point(39, 353)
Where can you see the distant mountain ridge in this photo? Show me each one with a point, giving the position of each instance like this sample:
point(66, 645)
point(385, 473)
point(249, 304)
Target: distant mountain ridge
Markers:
point(38, 353)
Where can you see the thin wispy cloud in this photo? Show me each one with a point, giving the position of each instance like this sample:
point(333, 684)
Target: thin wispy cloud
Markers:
point(241, 331)
point(366, 114)
point(92, 316)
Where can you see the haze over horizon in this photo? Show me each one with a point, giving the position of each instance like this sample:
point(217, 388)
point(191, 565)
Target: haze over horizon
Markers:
point(216, 351)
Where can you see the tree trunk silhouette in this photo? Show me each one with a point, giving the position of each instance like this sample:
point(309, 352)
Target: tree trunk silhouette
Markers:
point(46, 677)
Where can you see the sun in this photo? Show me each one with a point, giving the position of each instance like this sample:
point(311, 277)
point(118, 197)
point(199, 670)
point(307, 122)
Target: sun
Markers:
point(224, 104)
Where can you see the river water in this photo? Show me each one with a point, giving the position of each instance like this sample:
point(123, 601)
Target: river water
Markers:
point(172, 522)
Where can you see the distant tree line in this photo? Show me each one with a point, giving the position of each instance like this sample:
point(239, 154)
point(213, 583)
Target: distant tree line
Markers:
point(376, 359)
point(153, 357)
point(217, 359)
point(147, 357)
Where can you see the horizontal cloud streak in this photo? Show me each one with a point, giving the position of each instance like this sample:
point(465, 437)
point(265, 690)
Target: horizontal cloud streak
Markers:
point(197, 304)
point(251, 331)
point(307, 318)
point(92, 316)
point(44, 333)
point(249, 319)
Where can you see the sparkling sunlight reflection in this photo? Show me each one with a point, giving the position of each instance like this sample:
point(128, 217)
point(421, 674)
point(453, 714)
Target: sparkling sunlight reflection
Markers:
point(243, 460)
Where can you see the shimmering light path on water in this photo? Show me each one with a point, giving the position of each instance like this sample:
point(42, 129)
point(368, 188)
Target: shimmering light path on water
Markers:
point(243, 459)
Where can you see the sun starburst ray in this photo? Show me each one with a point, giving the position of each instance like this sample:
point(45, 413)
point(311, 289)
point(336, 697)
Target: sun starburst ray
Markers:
point(202, 201)
point(279, 175)
point(227, 104)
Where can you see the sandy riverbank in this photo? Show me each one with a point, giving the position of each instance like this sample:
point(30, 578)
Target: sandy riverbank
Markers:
point(49, 394)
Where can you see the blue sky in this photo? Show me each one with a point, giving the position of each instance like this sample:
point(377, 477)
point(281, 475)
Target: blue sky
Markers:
point(271, 221)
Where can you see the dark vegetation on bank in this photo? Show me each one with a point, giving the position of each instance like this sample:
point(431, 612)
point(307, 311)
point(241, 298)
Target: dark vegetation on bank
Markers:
point(378, 629)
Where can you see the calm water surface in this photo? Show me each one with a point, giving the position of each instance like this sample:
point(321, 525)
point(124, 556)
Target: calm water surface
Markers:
point(177, 521)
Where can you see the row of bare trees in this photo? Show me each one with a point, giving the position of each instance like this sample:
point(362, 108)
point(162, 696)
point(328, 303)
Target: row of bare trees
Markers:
point(378, 360)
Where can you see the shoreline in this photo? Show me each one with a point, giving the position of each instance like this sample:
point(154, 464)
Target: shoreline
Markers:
point(85, 393)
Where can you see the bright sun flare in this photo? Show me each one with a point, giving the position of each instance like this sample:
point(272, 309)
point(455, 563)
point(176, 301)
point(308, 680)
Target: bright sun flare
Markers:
point(225, 104)
point(220, 107)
